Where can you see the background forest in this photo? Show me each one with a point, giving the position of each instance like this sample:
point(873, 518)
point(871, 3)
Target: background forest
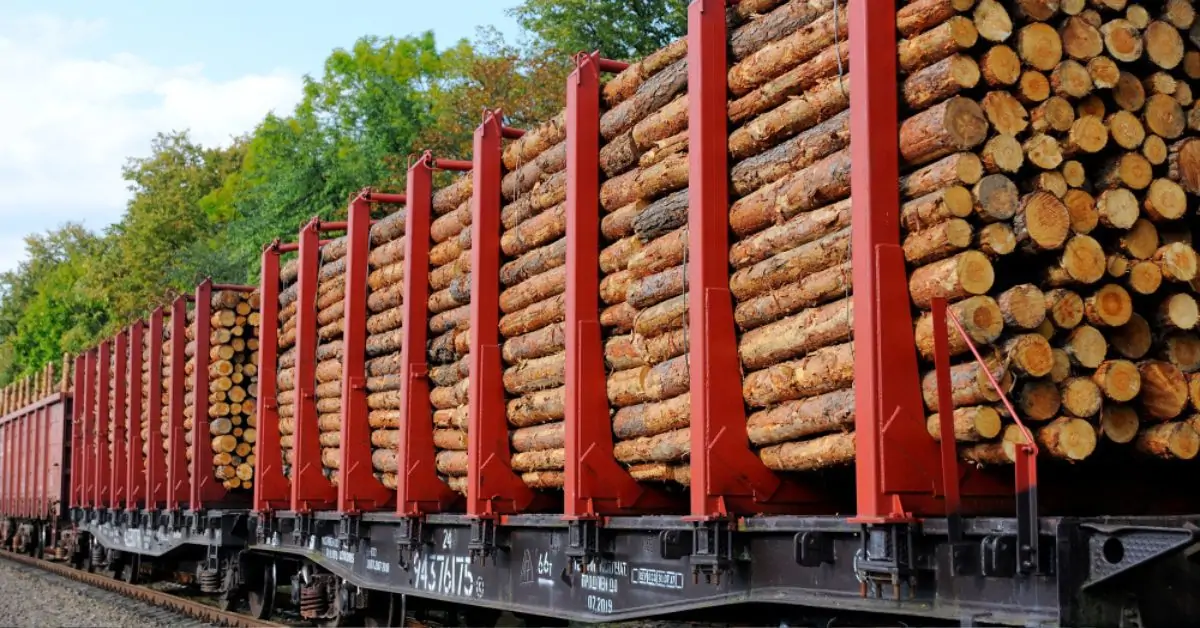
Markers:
point(198, 211)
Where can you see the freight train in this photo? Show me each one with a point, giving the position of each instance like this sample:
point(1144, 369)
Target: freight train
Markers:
point(491, 393)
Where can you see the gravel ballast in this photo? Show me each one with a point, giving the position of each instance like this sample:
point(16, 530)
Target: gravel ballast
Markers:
point(30, 597)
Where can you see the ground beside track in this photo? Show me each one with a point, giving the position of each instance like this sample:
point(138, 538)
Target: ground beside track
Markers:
point(32, 598)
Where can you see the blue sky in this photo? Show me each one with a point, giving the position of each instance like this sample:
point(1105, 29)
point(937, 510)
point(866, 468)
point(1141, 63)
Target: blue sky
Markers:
point(87, 84)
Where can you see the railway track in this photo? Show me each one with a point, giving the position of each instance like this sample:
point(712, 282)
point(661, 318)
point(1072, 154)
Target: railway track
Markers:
point(176, 604)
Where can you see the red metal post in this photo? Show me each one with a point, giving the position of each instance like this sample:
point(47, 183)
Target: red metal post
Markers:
point(156, 460)
point(6, 478)
point(894, 453)
point(310, 490)
point(25, 456)
point(135, 486)
point(177, 476)
point(270, 486)
point(89, 430)
point(948, 445)
point(418, 488)
point(205, 488)
point(119, 454)
point(727, 477)
point(358, 490)
point(595, 484)
point(492, 486)
point(77, 405)
point(103, 486)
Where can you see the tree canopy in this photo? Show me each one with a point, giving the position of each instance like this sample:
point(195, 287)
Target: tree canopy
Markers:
point(207, 211)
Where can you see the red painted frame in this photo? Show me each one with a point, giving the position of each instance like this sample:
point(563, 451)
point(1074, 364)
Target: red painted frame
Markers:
point(156, 461)
point(103, 472)
point(493, 488)
point(310, 490)
point(595, 484)
point(419, 490)
point(728, 478)
point(76, 470)
point(177, 476)
point(358, 491)
point(271, 490)
point(120, 474)
point(135, 459)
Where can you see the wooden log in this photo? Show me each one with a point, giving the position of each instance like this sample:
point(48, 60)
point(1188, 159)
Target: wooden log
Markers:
point(626, 83)
point(648, 383)
point(1082, 262)
point(814, 289)
point(543, 342)
point(797, 153)
point(1030, 354)
point(536, 408)
point(821, 371)
point(1178, 311)
point(538, 288)
point(619, 317)
point(1177, 261)
point(1042, 223)
point(1081, 397)
point(1164, 392)
point(533, 317)
point(1023, 306)
point(662, 216)
point(980, 317)
point(536, 374)
point(797, 47)
point(969, 384)
point(1175, 440)
point(534, 263)
point(966, 274)
point(1038, 399)
point(652, 418)
point(546, 437)
point(1110, 306)
point(659, 90)
point(615, 257)
point(821, 452)
point(1033, 87)
point(1163, 45)
point(937, 242)
point(1067, 438)
point(667, 447)
point(791, 265)
point(971, 424)
point(995, 198)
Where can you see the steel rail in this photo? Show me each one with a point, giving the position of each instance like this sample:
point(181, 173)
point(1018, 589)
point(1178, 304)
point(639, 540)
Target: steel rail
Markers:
point(184, 606)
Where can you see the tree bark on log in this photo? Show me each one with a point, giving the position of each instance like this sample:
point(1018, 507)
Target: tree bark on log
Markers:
point(970, 424)
point(821, 371)
point(969, 384)
point(797, 335)
point(534, 317)
point(536, 408)
point(536, 374)
point(1175, 440)
point(652, 95)
point(821, 452)
point(793, 420)
point(534, 263)
point(538, 288)
point(980, 317)
point(544, 437)
point(791, 266)
point(652, 418)
point(538, 344)
point(814, 289)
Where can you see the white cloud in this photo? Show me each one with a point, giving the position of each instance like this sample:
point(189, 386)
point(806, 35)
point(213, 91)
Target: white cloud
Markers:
point(68, 122)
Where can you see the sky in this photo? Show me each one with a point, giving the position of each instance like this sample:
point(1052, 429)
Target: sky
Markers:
point(85, 85)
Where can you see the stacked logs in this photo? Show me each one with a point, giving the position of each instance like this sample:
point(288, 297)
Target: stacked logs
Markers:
point(33, 388)
point(331, 319)
point(643, 290)
point(1078, 283)
point(144, 411)
point(532, 302)
point(285, 380)
point(164, 426)
point(449, 327)
point(232, 348)
point(385, 329)
point(112, 401)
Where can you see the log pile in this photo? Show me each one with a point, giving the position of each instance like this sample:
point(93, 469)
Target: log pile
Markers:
point(385, 329)
point(1047, 160)
point(285, 380)
point(164, 425)
point(144, 411)
point(232, 376)
point(449, 327)
point(331, 320)
point(33, 388)
point(532, 303)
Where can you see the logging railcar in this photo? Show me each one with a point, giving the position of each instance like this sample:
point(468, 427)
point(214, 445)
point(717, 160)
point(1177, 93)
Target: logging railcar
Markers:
point(495, 395)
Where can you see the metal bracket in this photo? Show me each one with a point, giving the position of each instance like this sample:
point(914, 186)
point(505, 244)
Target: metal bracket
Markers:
point(410, 537)
point(885, 558)
point(483, 539)
point(264, 525)
point(813, 549)
point(712, 550)
point(583, 541)
point(998, 556)
point(349, 527)
point(304, 524)
point(674, 544)
point(1115, 550)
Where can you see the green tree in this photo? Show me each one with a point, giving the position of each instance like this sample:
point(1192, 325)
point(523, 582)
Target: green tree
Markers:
point(619, 29)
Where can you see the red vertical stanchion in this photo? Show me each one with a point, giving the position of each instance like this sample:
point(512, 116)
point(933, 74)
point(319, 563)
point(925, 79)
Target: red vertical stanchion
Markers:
point(493, 488)
point(595, 483)
point(177, 477)
point(77, 405)
point(270, 486)
point(6, 478)
point(310, 489)
point(894, 453)
point(119, 473)
point(42, 464)
point(205, 490)
point(103, 485)
point(89, 431)
point(135, 467)
point(156, 459)
point(26, 470)
point(419, 490)
point(727, 477)
point(358, 490)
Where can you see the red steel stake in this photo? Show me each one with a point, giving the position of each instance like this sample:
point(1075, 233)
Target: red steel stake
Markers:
point(271, 490)
point(156, 460)
point(135, 467)
point(419, 490)
point(595, 484)
point(103, 486)
point(358, 490)
point(310, 489)
point(177, 477)
point(492, 486)
point(120, 474)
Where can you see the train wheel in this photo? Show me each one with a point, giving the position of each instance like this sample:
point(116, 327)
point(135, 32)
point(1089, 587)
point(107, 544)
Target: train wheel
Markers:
point(260, 589)
point(129, 570)
point(382, 610)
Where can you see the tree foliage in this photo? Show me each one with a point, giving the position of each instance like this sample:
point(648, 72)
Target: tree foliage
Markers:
point(197, 211)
